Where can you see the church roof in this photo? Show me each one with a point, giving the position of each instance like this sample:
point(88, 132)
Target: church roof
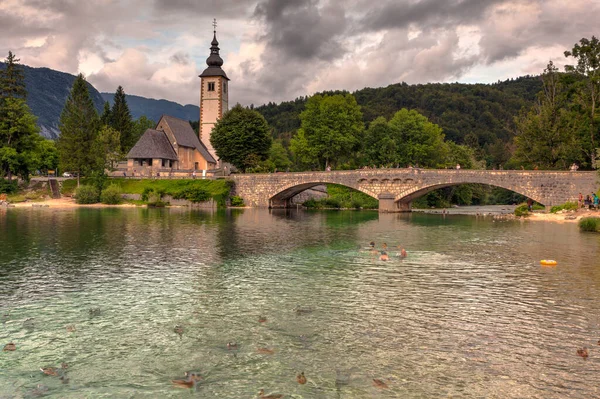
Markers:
point(186, 137)
point(214, 61)
point(153, 144)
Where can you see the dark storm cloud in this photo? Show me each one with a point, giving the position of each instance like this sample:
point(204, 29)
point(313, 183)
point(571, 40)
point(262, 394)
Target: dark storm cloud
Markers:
point(425, 13)
point(181, 58)
point(303, 29)
point(207, 8)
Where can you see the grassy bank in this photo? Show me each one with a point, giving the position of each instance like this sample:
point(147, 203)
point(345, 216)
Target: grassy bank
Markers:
point(217, 190)
point(343, 197)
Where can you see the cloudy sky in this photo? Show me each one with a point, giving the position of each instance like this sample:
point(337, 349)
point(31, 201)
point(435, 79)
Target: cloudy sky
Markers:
point(277, 50)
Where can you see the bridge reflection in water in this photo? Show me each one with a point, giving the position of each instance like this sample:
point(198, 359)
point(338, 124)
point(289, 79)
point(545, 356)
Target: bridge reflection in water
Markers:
point(397, 188)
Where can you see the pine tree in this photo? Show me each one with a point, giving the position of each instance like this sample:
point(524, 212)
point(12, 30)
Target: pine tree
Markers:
point(12, 82)
point(19, 138)
point(105, 118)
point(120, 120)
point(79, 125)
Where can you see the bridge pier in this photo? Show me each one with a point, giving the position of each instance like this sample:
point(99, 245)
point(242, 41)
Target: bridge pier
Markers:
point(388, 204)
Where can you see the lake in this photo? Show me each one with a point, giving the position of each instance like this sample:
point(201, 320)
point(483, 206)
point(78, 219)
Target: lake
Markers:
point(469, 313)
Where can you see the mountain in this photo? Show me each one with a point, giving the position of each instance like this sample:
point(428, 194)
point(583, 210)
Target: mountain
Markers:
point(47, 92)
point(154, 109)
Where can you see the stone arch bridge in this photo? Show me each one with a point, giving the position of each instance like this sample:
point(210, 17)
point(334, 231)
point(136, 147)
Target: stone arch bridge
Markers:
point(397, 188)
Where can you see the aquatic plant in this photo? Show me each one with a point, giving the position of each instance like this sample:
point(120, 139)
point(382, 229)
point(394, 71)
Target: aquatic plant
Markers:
point(590, 224)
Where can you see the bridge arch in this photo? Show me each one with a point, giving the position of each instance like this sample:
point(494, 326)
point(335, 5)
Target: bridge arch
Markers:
point(280, 196)
point(417, 192)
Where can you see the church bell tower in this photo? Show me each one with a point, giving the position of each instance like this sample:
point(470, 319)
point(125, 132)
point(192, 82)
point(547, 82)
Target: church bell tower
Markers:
point(214, 93)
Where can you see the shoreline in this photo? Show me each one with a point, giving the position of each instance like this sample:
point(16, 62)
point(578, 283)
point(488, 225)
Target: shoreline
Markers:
point(563, 217)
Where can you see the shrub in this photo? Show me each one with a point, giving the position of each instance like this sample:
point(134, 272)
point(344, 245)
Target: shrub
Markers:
point(237, 201)
point(331, 203)
point(86, 195)
point(111, 195)
point(146, 193)
point(193, 194)
point(522, 210)
point(568, 206)
point(311, 204)
point(8, 186)
point(590, 224)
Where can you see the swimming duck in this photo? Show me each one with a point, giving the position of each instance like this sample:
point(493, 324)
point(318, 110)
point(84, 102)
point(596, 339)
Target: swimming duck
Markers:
point(94, 312)
point(71, 328)
point(262, 319)
point(54, 371)
point(178, 330)
point(377, 383)
point(265, 351)
point(301, 311)
point(192, 378)
point(301, 378)
point(583, 352)
point(262, 395)
point(9, 347)
point(232, 345)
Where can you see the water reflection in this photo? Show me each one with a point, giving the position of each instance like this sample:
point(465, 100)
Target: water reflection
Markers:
point(469, 313)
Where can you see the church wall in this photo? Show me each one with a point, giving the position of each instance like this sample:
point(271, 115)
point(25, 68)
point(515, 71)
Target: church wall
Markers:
point(212, 106)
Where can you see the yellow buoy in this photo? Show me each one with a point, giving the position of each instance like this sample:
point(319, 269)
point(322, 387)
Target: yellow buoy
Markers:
point(548, 262)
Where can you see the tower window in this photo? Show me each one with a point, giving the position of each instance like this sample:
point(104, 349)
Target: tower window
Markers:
point(224, 87)
point(211, 86)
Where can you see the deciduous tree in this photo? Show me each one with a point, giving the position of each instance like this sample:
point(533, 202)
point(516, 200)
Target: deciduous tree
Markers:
point(241, 137)
point(106, 150)
point(420, 141)
point(547, 133)
point(587, 55)
point(330, 132)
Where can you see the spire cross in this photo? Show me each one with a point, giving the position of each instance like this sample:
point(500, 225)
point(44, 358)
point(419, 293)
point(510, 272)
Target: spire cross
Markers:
point(215, 24)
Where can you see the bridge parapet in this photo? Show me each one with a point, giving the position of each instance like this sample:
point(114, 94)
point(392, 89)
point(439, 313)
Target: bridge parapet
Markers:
point(546, 187)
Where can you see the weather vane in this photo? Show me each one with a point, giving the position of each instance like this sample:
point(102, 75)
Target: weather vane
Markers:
point(215, 24)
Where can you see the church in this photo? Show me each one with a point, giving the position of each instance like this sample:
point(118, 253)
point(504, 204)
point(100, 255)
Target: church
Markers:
point(172, 148)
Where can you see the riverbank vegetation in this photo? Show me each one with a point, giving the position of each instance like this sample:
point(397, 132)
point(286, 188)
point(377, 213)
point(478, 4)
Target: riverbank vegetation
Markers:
point(568, 206)
point(590, 224)
point(341, 197)
point(191, 190)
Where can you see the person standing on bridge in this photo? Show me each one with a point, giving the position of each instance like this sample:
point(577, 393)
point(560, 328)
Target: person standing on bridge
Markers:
point(457, 166)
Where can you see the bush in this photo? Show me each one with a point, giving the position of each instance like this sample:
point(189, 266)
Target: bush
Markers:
point(86, 195)
point(568, 206)
point(311, 204)
point(8, 186)
point(522, 210)
point(146, 193)
point(331, 203)
point(590, 224)
point(193, 194)
point(237, 201)
point(111, 195)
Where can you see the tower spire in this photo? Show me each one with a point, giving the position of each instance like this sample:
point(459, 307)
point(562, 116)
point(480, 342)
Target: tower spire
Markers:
point(214, 60)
